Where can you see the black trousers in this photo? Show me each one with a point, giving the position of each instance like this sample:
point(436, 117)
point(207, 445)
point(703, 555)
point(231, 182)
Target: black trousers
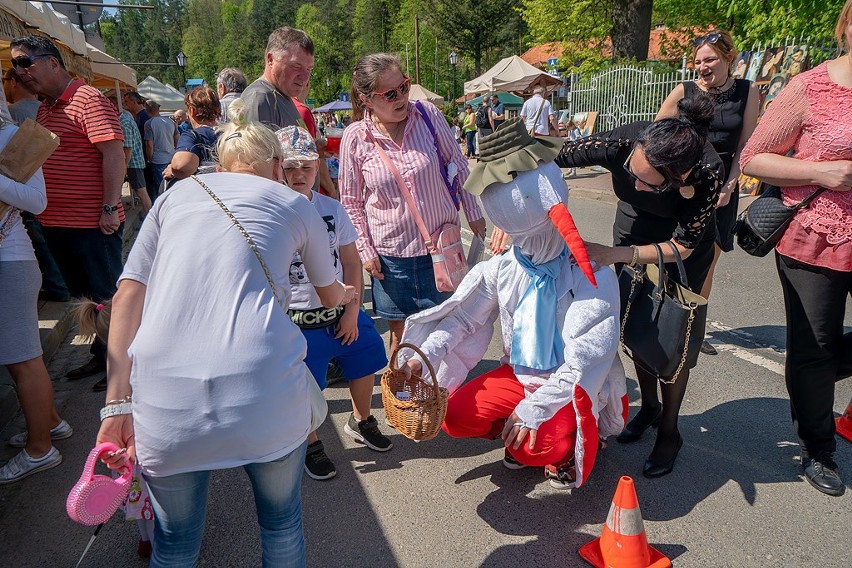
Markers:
point(818, 352)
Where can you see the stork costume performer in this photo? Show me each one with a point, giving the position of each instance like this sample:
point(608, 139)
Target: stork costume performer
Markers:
point(561, 386)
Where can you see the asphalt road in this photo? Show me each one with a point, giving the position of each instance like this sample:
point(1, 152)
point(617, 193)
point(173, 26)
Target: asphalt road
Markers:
point(735, 498)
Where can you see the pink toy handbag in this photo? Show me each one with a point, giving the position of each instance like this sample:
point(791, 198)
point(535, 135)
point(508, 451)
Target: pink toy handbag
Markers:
point(94, 498)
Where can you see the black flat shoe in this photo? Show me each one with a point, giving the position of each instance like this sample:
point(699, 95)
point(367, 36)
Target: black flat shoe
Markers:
point(652, 469)
point(93, 367)
point(821, 472)
point(634, 429)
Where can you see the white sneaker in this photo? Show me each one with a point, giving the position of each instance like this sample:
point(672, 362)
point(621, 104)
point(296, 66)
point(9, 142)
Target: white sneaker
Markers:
point(22, 465)
point(59, 432)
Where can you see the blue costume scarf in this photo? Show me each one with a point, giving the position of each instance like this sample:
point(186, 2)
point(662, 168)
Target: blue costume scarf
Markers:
point(536, 341)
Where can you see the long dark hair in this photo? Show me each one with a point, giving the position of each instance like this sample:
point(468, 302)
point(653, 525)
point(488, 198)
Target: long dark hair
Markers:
point(673, 146)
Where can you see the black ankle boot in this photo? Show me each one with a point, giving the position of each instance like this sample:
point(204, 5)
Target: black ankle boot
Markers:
point(659, 469)
point(636, 427)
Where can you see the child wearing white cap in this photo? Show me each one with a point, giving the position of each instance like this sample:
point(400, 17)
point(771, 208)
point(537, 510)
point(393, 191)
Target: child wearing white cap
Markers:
point(346, 334)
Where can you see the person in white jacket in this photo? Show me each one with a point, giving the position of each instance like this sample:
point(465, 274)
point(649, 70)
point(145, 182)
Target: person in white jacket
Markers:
point(561, 387)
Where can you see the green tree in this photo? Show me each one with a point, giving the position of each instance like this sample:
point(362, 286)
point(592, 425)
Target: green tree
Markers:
point(148, 36)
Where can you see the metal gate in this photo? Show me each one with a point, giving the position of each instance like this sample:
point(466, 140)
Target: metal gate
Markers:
point(624, 94)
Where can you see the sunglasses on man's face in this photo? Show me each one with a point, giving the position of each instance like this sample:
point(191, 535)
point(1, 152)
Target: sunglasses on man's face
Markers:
point(659, 188)
point(392, 94)
point(709, 38)
point(26, 61)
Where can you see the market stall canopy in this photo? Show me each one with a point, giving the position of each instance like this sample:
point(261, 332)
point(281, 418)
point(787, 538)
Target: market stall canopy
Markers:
point(170, 99)
point(106, 70)
point(508, 99)
point(421, 93)
point(511, 74)
point(333, 106)
point(19, 18)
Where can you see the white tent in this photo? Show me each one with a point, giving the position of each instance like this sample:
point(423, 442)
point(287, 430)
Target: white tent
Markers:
point(511, 74)
point(421, 93)
point(107, 70)
point(170, 99)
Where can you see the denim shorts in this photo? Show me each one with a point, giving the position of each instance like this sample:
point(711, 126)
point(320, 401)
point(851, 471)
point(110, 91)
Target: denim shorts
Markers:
point(362, 358)
point(408, 287)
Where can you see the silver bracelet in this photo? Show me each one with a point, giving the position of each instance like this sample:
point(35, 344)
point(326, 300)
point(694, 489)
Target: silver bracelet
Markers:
point(116, 410)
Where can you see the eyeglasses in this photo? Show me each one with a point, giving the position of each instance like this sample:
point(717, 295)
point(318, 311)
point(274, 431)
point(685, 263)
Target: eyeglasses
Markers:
point(661, 188)
point(26, 61)
point(709, 38)
point(392, 94)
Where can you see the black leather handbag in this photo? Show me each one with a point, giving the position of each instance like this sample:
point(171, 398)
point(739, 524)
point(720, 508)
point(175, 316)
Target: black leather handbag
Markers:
point(762, 224)
point(662, 321)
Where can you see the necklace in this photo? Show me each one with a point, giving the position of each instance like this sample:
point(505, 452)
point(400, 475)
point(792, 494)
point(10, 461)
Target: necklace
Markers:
point(721, 88)
point(387, 132)
point(53, 102)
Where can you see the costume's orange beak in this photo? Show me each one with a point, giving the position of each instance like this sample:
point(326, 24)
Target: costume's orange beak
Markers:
point(561, 217)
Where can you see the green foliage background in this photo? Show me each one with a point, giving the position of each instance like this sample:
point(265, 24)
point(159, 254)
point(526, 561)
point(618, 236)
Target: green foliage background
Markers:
point(232, 33)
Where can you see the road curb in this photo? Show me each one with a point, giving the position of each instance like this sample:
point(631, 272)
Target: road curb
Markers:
point(55, 320)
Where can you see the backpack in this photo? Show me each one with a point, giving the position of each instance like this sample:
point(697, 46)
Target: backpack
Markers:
point(482, 117)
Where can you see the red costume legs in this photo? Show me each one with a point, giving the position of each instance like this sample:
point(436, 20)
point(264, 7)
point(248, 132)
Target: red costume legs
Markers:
point(480, 408)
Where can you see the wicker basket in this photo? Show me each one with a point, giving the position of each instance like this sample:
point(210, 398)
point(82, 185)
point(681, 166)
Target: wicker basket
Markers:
point(421, 417)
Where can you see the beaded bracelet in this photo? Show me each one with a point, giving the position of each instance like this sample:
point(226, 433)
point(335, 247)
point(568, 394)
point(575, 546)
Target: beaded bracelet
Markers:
point(116, 410)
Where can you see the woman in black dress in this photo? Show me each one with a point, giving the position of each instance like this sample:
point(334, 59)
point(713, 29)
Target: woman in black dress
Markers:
point(667, 178)
point(734, 120)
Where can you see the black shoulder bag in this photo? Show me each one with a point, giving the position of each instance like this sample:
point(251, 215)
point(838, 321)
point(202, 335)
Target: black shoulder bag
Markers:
point(662, 321)
point(762, 224)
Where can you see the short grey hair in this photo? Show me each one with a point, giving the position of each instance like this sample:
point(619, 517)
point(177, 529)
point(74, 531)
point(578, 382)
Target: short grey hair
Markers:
point(232, 79)
point(538, 91)
point(281, 39)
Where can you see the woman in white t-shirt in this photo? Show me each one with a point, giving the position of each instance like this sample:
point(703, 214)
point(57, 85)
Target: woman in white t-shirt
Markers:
point(212, 361)
point(346, 335)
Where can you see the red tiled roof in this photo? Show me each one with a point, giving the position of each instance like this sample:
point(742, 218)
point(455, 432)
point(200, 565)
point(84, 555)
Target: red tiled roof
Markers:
point(664, 45)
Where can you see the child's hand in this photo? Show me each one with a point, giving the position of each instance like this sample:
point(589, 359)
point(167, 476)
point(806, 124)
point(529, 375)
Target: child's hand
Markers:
point(347, 327)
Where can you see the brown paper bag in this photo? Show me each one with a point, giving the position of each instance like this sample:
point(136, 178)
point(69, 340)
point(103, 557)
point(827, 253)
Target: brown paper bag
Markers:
point(25, 152)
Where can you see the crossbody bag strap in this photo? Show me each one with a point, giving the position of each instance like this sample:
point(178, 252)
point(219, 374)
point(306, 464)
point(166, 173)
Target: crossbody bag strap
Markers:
point(807, 200)
point(245, 235)
point(409, 199)
point(442, 163)
point(537, 115)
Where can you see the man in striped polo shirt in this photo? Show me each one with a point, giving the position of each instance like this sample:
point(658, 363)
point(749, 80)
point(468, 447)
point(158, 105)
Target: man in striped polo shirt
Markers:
point(84, 219)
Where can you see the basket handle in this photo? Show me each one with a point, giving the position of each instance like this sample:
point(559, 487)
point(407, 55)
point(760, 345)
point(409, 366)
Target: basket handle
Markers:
point(414, 348)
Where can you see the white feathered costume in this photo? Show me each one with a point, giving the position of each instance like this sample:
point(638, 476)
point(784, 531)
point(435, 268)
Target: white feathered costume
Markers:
point(454, 336)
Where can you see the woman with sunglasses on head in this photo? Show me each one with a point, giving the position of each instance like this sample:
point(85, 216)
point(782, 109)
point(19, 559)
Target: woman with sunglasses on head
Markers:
point(734, 119)
point(389, 242)
point(803, 143)
point(667, 178)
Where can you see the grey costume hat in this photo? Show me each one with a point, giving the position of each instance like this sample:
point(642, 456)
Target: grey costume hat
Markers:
point(509, 150)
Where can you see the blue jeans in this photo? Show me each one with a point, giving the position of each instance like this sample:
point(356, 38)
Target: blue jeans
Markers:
point(180, 507)
point(156, 180)
point(470, 138)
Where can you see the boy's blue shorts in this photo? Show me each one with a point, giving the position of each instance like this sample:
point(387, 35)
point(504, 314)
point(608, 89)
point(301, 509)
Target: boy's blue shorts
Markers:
point(363, 357)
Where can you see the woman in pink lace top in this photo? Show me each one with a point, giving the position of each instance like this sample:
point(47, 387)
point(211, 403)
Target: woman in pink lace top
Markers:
point(812, 116)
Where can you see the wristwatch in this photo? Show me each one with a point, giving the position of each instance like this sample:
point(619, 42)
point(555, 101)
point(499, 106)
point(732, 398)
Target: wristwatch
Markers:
point(110, 209)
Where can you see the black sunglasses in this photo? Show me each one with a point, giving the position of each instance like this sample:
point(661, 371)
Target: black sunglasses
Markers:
point(26, 61)
point(709, 38)
point(661, 188)
point(391, 94)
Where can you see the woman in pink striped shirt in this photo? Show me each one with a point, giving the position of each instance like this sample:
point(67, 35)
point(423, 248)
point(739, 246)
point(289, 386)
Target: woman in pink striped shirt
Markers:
point(389, 243)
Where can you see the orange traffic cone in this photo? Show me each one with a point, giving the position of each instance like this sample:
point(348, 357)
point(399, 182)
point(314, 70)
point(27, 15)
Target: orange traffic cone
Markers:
point(844, 423)
point(623, 543)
